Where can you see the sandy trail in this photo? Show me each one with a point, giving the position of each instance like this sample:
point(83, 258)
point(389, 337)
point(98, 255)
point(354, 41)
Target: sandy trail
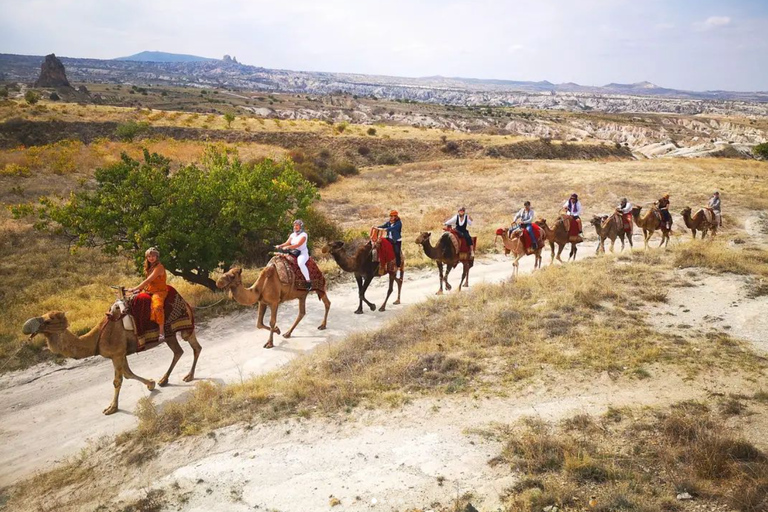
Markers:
point(52, 412)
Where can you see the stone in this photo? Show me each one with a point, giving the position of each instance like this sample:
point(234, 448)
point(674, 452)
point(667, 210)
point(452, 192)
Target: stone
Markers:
point(684, 496)
point(52, 73)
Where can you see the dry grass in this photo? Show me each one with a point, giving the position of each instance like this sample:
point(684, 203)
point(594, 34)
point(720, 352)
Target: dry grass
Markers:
point(640, 463)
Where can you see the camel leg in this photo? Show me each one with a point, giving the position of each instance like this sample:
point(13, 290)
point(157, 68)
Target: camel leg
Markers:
point(559, 252)
point(613, 242)
point(191, 338)
point(399, 285)
point(389, 290)
point(173, 344)
point(272, 322)
point(440, 270)
point(327, 304)
point(646, 237)
point(260, 322)
point(359, 279)
point(572, 254)
point(466, 281)
point(367, 280)
point(130, 375)
point(302, 312)
point(552, 253)
point(448, 269)
point(117, 383)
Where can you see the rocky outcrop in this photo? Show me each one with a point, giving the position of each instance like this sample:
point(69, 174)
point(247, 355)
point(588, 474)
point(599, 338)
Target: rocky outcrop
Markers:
point(52, 73)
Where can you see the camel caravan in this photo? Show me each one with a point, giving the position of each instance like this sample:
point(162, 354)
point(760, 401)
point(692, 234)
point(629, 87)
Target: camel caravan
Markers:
point(154, 312)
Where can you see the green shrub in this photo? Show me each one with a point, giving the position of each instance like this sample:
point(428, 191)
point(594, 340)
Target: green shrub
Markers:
point(130, 130)
point(372, 131)
point(761, 151)
point(31, 97)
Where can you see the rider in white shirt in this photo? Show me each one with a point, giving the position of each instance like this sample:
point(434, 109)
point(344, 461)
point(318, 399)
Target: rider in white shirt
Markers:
point(298, 241)
point(525, 217)
point(573, 209)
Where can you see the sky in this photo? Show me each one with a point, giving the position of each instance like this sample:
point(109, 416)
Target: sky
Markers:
point(682, 44)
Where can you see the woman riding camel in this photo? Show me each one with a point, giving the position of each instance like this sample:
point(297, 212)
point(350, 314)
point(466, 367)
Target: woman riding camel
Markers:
point(625, 210)
point(297, 244)
point(572, 208)
point(394, 228)
point(460, 222)
point(663, 206)
point(154, 285)
point(525, 218)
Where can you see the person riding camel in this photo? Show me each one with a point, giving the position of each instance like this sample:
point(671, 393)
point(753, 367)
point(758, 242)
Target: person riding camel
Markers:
point(461, 222)
point(714, 204)
point(572, 208)
point(394, 229)
point(154, 285)
point(524, 219)
point(663, 206)
point(297, 241)
point(625, 210)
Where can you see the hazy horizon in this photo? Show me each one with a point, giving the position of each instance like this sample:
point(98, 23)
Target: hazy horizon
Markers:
point(693, 45)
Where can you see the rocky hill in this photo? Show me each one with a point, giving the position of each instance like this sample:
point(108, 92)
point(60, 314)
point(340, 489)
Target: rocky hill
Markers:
point(613, 98)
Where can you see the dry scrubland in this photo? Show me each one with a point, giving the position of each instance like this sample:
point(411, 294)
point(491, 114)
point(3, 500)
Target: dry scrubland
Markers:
point(574, 321)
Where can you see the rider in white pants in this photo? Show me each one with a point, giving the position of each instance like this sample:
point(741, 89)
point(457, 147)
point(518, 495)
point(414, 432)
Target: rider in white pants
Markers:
point(298, 241)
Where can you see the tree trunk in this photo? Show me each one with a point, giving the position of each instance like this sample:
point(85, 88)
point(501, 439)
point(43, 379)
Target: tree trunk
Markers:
point(197, 278)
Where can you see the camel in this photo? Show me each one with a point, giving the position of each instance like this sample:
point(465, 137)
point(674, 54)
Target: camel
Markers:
point(699, 222)
point(515, 246)
point(270, 292)
point(558, 235)
point(649, 223)
point(445, 254)
point(108, 339)
point(360, 262)
point(610, 227)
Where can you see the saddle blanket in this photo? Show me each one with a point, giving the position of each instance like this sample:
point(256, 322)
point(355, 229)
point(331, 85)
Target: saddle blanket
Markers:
point(177, 316)
point(289, 272)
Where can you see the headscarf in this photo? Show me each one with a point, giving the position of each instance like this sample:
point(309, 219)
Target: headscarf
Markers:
point(301, 225)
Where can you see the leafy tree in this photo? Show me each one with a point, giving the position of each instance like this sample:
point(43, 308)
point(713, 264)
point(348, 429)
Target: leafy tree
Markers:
point(372, 131)
point(761, 151)
point(31, 97)
point(200, 217)
point(129, 130)
point(3, 92)
point(229, 117)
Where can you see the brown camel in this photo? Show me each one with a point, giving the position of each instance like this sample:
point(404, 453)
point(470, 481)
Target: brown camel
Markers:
point(270, 292)
point(516, 246)
point(444, 253)
point(649, 223)
point(558, 235)
point(699, 222)
point(610, 227)
point(109, 339)
point(360, 262)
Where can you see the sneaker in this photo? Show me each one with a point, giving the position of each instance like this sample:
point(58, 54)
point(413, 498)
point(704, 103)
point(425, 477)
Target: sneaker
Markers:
point(161, 338)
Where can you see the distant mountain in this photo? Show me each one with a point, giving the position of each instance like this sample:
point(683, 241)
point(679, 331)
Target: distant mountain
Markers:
point(164, 57)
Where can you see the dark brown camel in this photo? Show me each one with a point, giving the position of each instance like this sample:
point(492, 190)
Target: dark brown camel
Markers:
point(699, 222)
point(558, 235)
point(359, 262)
point(649, 223)
point(610, 227)
point(444, 253)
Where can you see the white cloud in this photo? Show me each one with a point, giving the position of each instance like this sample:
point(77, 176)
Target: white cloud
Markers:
point(712, 22)
point(665, 26)
point(515, 48)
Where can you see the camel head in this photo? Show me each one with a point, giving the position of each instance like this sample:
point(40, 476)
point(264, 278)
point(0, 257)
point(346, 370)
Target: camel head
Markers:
point(542, 223)
point(636, 210)
point(423, 237)
point(597, 220)
point(333, 247)
point(231, 279)
point(686, 212)
point(53, 322)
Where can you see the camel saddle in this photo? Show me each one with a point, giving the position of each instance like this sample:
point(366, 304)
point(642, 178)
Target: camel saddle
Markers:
point(460, 244)
point(709, 215)
point(520, 232)
point(177, 316)
point(289, 273)
point(572, 228)
point(624, 221)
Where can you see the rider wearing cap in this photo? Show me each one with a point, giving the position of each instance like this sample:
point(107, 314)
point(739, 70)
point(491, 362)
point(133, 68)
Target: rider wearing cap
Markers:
point(714, 203)
point(394, 228)
point(461, 222)
point(573, 209)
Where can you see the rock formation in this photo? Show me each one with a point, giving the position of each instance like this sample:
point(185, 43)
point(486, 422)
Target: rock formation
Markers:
point(52, 73)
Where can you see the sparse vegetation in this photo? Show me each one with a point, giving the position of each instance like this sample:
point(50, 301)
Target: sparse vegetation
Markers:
point(229, 117)
point(130, 130)
point(31, 97)
point(761, 151)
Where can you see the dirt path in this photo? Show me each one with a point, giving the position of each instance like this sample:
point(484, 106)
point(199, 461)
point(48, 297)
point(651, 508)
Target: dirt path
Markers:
point(52, 412)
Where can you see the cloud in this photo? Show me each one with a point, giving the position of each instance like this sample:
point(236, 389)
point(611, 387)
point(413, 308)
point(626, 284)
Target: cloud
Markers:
point(515, 48)
point(665, 26)
point(712, 22)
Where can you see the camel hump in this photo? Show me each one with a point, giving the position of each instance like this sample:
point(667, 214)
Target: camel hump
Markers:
point(449, 244)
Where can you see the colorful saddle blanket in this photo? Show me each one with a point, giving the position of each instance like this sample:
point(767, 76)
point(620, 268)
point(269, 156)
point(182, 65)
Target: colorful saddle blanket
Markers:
point(460, 243)
point(288, 272)
point(177, 316)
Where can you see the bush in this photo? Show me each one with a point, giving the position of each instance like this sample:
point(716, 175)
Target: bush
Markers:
point(54, 97)
point(31, 97)
point(345, 169)
point(228, 118)
point(387, 159)
point(450, 147)
point(364, 150)
point(135, 204)
point(4, 92)
point(761, 151)
point(130, 130)
point(372, 131)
